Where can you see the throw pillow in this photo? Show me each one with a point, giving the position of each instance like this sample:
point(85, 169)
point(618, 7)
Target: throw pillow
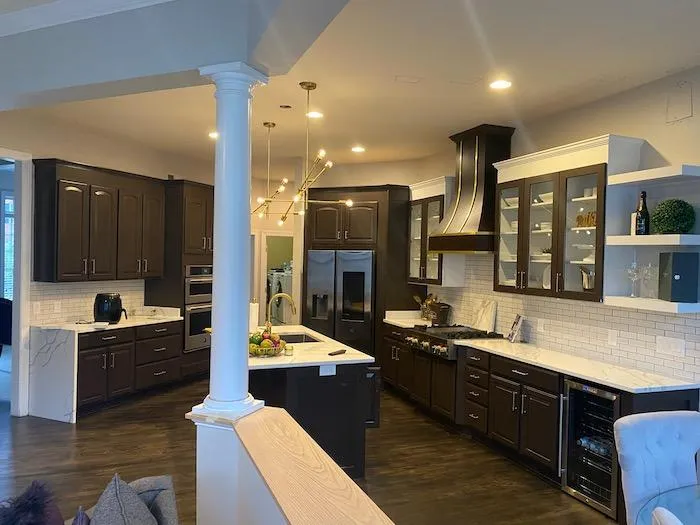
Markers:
point(35, 506)
point(120, 504)
point(81, 518)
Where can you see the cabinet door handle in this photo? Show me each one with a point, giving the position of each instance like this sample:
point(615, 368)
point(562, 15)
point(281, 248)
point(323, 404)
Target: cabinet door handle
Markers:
point(523, 398)
point(474, 376)
point(112, 358)
point(396, 334)
point(474, 358)
point(160, 330)
point(162, 372)
point(514, 405)
point(84, 266)
point(145, 266)
point(473, 416)
point(337, 234)
point(562, 400)
point(104, 361)
point(210, 244)
point(475, 394)
point(522, 280)
point(556, 285)
point(138, 265)
point(398, 357)
point(161, 349)
point(93, 267)
point(519, 372)
point(204, 243)
point(109, 338)
point(346, 235)
point(517, 280)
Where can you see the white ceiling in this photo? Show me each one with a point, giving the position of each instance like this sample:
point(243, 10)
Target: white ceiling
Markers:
point(558, 55)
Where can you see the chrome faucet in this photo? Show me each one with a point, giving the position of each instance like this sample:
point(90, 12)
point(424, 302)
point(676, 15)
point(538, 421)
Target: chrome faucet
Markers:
point(269, 305)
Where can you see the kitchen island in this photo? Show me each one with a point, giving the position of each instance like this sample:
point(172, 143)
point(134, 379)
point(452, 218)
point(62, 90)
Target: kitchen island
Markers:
point(334, 398)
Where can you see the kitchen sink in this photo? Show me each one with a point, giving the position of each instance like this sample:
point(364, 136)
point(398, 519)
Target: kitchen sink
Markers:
point(299, 338)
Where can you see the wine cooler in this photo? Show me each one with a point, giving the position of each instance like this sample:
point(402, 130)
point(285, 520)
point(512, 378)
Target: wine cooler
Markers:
point(589, 467)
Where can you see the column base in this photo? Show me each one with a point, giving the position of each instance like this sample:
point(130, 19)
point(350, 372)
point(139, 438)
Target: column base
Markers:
point(230, 410)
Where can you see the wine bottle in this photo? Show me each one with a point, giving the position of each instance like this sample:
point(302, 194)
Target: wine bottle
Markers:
point(641, 216)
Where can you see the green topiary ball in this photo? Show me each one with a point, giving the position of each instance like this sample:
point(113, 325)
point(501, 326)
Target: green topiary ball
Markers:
point(673, 216)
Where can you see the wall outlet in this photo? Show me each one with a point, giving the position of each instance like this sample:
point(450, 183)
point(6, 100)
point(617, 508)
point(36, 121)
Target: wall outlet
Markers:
point(612, 337)
point(540, 326)
point(57, 307)
point(670, 346)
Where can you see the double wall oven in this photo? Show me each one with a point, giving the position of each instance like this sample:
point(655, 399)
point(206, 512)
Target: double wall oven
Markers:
point(198, 288)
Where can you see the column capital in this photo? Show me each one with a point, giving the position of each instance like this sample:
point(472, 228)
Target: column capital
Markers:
point(234, 75)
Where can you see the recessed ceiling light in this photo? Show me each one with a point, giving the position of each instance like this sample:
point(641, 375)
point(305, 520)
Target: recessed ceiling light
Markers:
point(213, 135)
point(501, 83)
point(358, 149)
point(314, 114)
point(285, 106)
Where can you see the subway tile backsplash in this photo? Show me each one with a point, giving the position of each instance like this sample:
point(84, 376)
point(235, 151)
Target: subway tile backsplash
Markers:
point(59, 302)
point(616, 335)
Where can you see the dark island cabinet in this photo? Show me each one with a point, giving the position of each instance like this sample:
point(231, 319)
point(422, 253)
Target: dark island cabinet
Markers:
point(95, 224)
point(539, 426)
point(504, 411)
point(199, 219)
point(72, 231)
point(140, 232)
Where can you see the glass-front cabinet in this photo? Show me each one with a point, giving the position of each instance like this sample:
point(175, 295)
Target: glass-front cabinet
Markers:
point(550, 234)
point(424, 267)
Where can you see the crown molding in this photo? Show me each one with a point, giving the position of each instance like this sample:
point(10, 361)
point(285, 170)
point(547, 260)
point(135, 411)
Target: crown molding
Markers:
point(60, 12)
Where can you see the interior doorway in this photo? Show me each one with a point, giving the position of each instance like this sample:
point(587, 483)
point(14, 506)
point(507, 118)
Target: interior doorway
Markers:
point(276, 268)
point(7, 269)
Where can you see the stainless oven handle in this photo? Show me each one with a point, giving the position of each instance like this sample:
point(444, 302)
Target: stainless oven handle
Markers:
point(200, 279)
point(562, 399)
point(199, 307)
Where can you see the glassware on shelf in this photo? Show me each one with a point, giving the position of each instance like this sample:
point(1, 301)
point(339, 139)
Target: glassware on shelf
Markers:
point(650, 279)
point(508, 239)
point(634, 274)
point(580, 233)
point(540, 229)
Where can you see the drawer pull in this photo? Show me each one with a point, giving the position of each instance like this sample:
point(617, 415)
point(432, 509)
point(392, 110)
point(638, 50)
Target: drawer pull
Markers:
point(473, 416)
point(516, 371)
point(160, 330)
point(161, 349)
point(474, 358)
point(475, 394)
point(110, 338)
point(161, 373)
point(474, 376)
point(397, 334)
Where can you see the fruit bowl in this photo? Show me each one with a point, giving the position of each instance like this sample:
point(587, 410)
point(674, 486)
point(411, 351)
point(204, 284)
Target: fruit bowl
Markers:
point(265, 344)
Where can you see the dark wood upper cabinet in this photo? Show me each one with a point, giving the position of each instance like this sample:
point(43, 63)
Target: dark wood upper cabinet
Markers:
point(404, 375)
point(72, 232)
point(130, 234)
point(210, 219)
point(92, 376)
point(504, 411)
point(95, 224)
point(120, 371)
point(422, 373)
point(325, 223)
point(153, 224)
point(442, 391)
point(551, 233)
point(103, 233)
point(360, 223)
point(198, 219)
point(424, 267)
point(539, 426)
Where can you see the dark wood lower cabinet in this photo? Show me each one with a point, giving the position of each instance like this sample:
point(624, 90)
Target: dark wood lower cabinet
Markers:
point(387, 360)
point(374, 388)
point(120, 374)
point(422, 371)
point(92, 376)
point(442, 390)
point(504, 411)
point(539, 426)
point(404, 375)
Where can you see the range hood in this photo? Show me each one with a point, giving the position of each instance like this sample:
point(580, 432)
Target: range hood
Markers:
point(469, 223)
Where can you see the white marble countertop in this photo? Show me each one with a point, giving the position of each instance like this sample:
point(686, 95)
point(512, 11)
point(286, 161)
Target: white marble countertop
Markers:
point(405, 318)
point(309, 354)
point(124, 323)
point(614, 376)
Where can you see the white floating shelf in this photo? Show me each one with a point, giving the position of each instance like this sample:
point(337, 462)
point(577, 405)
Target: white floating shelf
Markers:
point(508, 260)
point(656, 305)
point(673, 239)
point(583, 228)
point(673, 173)
point(541, 231)
point(541, 261)
point(584, 199)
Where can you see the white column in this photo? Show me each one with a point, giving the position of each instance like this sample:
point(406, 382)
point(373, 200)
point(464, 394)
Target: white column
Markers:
point(228, 384)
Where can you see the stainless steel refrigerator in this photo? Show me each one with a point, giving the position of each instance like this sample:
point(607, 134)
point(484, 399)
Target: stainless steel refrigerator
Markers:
point(340, 296)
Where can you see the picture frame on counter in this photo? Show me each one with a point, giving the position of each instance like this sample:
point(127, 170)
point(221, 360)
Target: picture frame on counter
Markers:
point(514, 334)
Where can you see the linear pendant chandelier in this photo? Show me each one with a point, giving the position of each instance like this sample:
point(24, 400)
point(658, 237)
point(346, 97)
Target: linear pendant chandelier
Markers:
point(311, 174)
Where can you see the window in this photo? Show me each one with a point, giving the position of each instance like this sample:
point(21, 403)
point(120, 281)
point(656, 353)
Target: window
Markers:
point(7, 214)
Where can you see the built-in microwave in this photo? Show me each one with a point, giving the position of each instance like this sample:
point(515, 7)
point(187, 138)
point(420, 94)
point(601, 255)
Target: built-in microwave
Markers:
point(198, 284)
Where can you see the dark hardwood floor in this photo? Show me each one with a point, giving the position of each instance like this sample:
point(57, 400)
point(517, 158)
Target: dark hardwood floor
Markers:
point(418, 471)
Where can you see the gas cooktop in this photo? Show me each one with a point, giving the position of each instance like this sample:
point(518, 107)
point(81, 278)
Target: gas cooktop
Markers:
point(457, 332)
point(439, 340)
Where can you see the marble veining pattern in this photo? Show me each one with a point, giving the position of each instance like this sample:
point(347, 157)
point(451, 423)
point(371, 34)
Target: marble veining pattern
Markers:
point(614, 376)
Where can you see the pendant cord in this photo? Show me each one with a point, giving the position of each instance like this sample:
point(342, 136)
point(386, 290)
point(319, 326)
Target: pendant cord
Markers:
point(306, 160)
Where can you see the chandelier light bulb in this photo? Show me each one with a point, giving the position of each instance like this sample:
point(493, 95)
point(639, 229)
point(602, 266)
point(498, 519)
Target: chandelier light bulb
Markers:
point(280, 222)
point(314, 114)
point(285, 180)
point(261, 215)
point(260, 200)
point(349, 203)
point(329, 164)
point(296, 198)
point(213, 135)
point(281, 188)
point(301, 212)
point(321, 153)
